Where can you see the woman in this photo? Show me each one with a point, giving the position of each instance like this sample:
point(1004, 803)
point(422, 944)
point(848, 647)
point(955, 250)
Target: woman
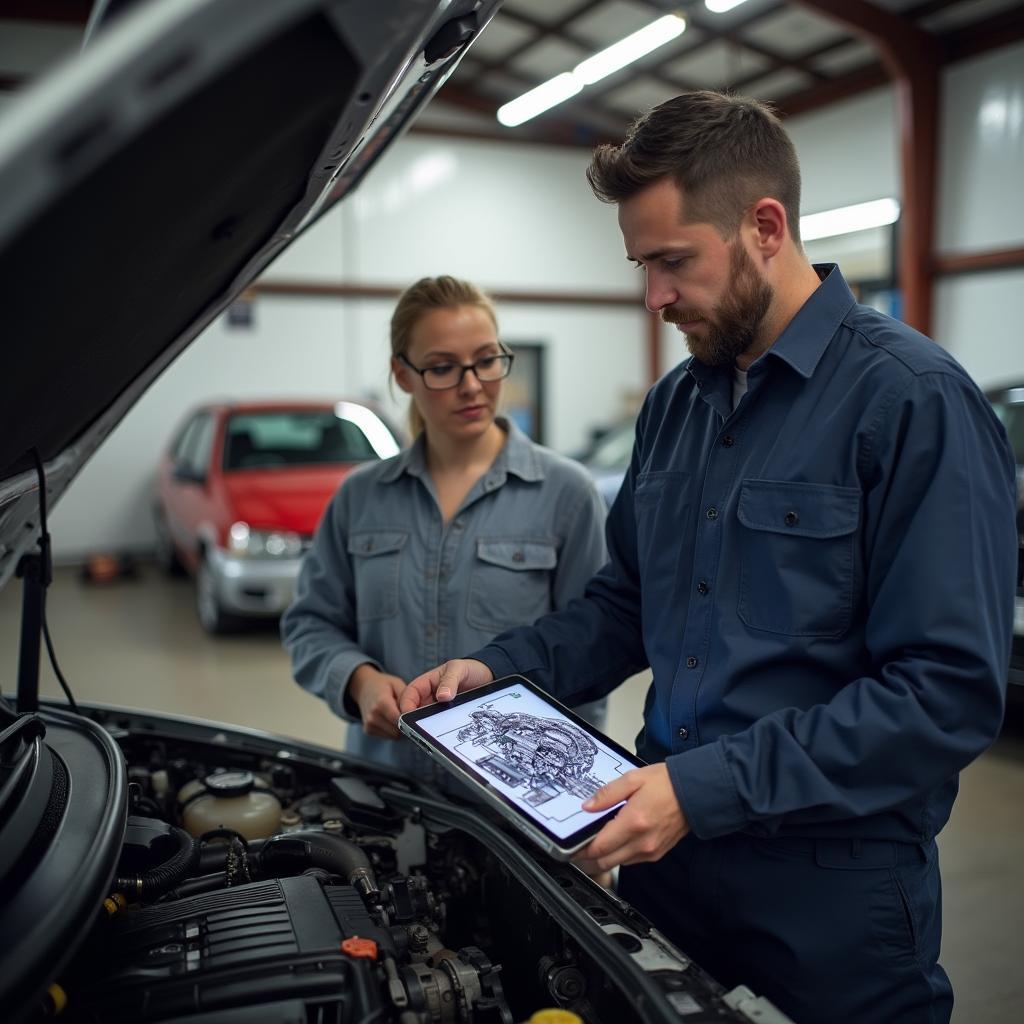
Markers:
point(472, 530)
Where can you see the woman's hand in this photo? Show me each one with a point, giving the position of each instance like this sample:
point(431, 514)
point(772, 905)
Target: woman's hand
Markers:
point(376, 695)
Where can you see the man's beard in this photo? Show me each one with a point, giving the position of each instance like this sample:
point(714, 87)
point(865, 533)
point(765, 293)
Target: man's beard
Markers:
point(733, 324)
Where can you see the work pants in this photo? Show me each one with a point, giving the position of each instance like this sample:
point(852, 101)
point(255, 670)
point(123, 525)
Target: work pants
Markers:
point(832, 931)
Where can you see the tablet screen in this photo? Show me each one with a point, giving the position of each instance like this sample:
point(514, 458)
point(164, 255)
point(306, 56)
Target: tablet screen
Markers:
point(529, 751)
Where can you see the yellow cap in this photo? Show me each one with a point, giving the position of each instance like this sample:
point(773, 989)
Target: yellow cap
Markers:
point(555, 1016)
point(58, 997)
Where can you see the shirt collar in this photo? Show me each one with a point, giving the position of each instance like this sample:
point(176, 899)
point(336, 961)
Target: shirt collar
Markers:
point(805, 338)
point(517, 456)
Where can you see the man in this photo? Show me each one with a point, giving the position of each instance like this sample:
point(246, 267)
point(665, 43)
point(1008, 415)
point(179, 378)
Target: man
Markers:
point(814, 550)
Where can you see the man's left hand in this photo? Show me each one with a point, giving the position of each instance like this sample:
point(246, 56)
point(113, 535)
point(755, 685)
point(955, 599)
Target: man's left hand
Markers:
point(645, 829)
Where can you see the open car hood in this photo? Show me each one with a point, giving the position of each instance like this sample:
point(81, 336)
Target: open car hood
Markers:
point(146, 182)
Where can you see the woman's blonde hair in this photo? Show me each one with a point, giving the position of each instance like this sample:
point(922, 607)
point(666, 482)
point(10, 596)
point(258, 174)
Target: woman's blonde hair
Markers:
point(426, 295)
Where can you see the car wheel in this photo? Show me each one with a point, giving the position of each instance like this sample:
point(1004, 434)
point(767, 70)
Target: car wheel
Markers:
point(166, 553)
point(212, 616)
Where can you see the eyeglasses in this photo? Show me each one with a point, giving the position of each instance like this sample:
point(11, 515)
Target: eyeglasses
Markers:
point(443, 376)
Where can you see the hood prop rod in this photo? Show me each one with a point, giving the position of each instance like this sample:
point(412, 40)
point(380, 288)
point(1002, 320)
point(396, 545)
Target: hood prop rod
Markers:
point(35, 568)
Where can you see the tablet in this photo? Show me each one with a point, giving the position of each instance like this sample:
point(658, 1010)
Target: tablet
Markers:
point(528, 756)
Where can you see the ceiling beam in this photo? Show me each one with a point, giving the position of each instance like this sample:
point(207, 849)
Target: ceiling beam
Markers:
point(778, 61)
point(1002, 29)
point(562, 32)
point(58, 12)
point(540, 31)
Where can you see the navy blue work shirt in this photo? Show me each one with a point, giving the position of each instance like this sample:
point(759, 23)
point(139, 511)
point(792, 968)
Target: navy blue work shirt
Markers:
point(822, 580)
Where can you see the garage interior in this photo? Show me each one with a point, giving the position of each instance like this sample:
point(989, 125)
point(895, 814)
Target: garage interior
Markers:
point(917, 104)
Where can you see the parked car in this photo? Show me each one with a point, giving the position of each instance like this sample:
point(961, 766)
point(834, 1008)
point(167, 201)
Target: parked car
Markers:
point(1008, 403)
point(241, 489)
point(608, 457)
point(160, 869)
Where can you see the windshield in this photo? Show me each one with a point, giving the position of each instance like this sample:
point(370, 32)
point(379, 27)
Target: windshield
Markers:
point(293, 438)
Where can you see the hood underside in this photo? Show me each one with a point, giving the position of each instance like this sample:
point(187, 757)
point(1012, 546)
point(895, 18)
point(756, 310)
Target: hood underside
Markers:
point(147, 181)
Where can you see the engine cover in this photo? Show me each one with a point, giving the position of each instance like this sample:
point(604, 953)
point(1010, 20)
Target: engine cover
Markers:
point(251, 953)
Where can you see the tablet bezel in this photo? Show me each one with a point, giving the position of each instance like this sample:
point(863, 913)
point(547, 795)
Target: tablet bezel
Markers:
point(409, 723)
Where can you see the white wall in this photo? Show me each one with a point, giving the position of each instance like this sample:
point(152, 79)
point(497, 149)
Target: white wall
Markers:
point(517, 218)
point(522, 218)
point(848, 154)
point(981, 207)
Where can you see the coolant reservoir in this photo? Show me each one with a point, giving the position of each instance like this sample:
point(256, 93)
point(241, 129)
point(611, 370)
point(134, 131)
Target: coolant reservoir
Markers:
point(230, 799)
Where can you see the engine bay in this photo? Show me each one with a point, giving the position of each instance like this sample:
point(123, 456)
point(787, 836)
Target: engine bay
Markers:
point(261, 881)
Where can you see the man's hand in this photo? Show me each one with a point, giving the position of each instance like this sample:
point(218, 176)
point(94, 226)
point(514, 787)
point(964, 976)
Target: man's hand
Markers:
point(443, 682)
point(376, 694)
point(649, 825)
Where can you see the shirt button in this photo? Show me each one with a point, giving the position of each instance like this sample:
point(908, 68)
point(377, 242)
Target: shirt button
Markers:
point(702, 587)
point(791, 519)
point(683, 733)
point(712, 513)
point(431, 629)
point(518, 556)
point(728, 441)
point(457, 525)
point(691, 662)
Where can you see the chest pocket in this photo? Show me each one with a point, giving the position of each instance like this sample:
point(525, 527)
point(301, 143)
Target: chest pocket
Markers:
point(510, 582)
point(797, 557)
point(376, 557)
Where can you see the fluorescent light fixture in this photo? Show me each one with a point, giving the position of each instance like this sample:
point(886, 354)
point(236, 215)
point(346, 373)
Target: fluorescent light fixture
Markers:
point(566, 85)
point(627, 50)
point(721, 6)
point(845, 219)
point(548, 94)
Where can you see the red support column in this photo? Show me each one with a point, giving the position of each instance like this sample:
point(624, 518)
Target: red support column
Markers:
point(913, 58)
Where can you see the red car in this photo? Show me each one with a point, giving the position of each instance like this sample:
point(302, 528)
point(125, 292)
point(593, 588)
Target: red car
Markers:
point(240, 491)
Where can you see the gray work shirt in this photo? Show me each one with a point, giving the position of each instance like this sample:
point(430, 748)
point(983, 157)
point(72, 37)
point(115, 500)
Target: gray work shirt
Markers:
point(388, 582)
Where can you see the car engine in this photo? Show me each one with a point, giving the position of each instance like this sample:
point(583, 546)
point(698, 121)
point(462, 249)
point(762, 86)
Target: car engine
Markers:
point(260, 881)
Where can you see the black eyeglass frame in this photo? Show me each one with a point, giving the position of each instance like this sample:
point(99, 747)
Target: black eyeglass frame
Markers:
point(463, 368)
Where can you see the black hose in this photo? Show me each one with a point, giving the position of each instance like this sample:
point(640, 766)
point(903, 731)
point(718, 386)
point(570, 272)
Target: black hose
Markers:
point(152, 883)
point(289, 854)
point(194, 886)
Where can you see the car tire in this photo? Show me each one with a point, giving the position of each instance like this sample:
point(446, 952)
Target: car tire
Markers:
point(166, 553)
point(212, 616)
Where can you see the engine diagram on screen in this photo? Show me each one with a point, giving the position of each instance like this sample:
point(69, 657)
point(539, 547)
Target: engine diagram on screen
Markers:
point(549, 763)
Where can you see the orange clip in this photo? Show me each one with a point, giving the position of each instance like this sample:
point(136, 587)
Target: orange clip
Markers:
point(362, 949)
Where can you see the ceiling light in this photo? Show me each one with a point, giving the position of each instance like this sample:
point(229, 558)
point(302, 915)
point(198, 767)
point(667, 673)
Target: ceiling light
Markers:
point(721, 6)
point(536, 101)
point(566, 85)
point(627, 50)
point(845, 219)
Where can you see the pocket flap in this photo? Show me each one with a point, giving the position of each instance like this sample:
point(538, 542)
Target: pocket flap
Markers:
point(370, 543)
point(803, 510)
point(518, 554)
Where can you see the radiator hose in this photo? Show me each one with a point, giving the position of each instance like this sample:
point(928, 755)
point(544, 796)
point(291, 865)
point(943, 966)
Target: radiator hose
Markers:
point(149, 884)
point(294, 852)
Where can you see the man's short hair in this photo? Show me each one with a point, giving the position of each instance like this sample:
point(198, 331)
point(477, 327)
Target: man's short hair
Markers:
point(724, 152)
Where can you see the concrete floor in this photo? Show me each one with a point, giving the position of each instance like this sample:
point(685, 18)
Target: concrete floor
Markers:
point(137, 643)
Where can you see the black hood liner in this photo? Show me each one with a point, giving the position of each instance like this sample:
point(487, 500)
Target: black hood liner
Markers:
point(111, 274)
